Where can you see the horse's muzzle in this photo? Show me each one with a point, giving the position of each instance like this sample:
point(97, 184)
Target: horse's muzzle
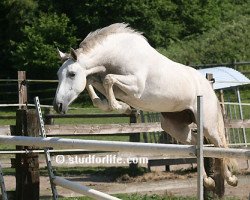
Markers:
point(58, 107)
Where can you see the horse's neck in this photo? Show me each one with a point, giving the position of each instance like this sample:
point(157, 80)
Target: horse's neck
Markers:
point(125, 53)
point(114, 51)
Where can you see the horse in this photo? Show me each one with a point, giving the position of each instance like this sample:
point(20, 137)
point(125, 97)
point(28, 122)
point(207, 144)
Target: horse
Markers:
point(119, 62)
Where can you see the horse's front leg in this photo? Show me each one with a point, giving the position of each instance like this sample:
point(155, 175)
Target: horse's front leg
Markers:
point(97, 102)
point(128, 86)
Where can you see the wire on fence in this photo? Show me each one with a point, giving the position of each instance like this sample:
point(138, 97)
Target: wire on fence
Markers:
point(234, 103)
point(17, 104)
point(29, 80)
point(56, 81)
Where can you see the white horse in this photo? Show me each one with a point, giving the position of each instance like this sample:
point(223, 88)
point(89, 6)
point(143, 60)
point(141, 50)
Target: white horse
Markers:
point(120, 63)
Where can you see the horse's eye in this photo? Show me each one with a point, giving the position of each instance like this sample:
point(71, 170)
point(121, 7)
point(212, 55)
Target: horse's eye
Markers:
point(71, 74)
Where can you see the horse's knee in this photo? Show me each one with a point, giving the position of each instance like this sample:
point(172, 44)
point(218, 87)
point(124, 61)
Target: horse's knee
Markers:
point(108, 80)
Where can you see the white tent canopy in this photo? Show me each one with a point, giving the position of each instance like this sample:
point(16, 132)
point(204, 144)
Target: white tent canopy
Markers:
point(229, 78)
point(226, 77)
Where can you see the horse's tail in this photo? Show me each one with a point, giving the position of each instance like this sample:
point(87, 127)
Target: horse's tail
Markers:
point(221, 126)
point(230, 162)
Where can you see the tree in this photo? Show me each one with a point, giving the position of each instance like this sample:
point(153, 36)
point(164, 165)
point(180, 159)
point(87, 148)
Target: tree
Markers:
point(197, 16)
point(225, 44)
point(14, 14)
point(157, 19)
point(37, 53)
point(29, 37)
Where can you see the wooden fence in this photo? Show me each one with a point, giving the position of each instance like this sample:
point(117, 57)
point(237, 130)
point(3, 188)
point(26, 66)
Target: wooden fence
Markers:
point(112, 129)
point(23, 127)
point(27, 164)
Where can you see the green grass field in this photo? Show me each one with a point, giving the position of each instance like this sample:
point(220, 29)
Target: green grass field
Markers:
point(89, 110)
point(11, 112)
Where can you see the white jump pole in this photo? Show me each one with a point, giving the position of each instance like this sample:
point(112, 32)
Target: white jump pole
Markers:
point(81, 189)
point(159, 149)
point(140, 148)
point(200, 158)
point(216, 152)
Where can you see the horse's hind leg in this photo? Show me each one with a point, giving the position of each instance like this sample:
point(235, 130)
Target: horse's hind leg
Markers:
point(177, 125)
point(230, 178)
point(225, 162)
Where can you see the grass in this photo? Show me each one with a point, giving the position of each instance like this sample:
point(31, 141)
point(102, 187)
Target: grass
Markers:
point(112, 172)
point(7, 112)
point(90, 110)
point(113, 120)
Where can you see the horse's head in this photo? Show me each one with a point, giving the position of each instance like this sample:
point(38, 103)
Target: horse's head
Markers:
point(72, 81)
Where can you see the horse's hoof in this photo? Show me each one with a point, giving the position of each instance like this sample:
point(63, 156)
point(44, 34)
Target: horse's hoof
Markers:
point(233, 181)
point(128, 111)
point(125, 108)
point(209, 183)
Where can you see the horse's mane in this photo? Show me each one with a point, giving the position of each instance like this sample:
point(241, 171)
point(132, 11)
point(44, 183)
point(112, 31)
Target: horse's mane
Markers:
point(100, 34)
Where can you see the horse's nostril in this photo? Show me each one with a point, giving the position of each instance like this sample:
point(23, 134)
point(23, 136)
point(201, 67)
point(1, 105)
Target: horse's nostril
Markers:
point(60, 107)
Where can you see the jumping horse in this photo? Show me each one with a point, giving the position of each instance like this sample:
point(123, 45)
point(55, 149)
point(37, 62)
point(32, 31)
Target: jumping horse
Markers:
point(119, 62)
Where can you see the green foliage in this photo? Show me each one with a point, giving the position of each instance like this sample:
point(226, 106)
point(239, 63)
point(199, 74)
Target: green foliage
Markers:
point(17, 14)
point(156, 18)
point(224, 44)
point(37, 52)
point(14, 14)
point(162, 21)
point(197, 16)
point(188, 31)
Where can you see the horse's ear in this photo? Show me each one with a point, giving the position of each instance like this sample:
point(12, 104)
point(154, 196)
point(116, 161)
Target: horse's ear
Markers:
point(73, 54)
point(63, 56)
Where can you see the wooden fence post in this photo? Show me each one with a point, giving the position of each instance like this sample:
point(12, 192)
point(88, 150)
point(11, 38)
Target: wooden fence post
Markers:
point(22, 88)
point(48, 120)
point(135, 137)
point(27, 165)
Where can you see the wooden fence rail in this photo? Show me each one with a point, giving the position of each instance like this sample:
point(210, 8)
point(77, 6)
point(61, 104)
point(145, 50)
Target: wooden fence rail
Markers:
point(113, 129)
point(237, 123)
point(101, 129)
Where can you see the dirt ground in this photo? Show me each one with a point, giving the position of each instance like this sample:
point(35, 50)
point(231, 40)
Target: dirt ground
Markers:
point(155, 182)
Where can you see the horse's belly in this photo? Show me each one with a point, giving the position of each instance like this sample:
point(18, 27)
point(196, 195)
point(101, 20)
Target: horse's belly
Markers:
point(156, 104)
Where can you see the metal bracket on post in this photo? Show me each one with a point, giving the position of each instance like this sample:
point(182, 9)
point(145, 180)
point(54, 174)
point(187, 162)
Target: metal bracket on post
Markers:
point(2, 185)
point(46, 151)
